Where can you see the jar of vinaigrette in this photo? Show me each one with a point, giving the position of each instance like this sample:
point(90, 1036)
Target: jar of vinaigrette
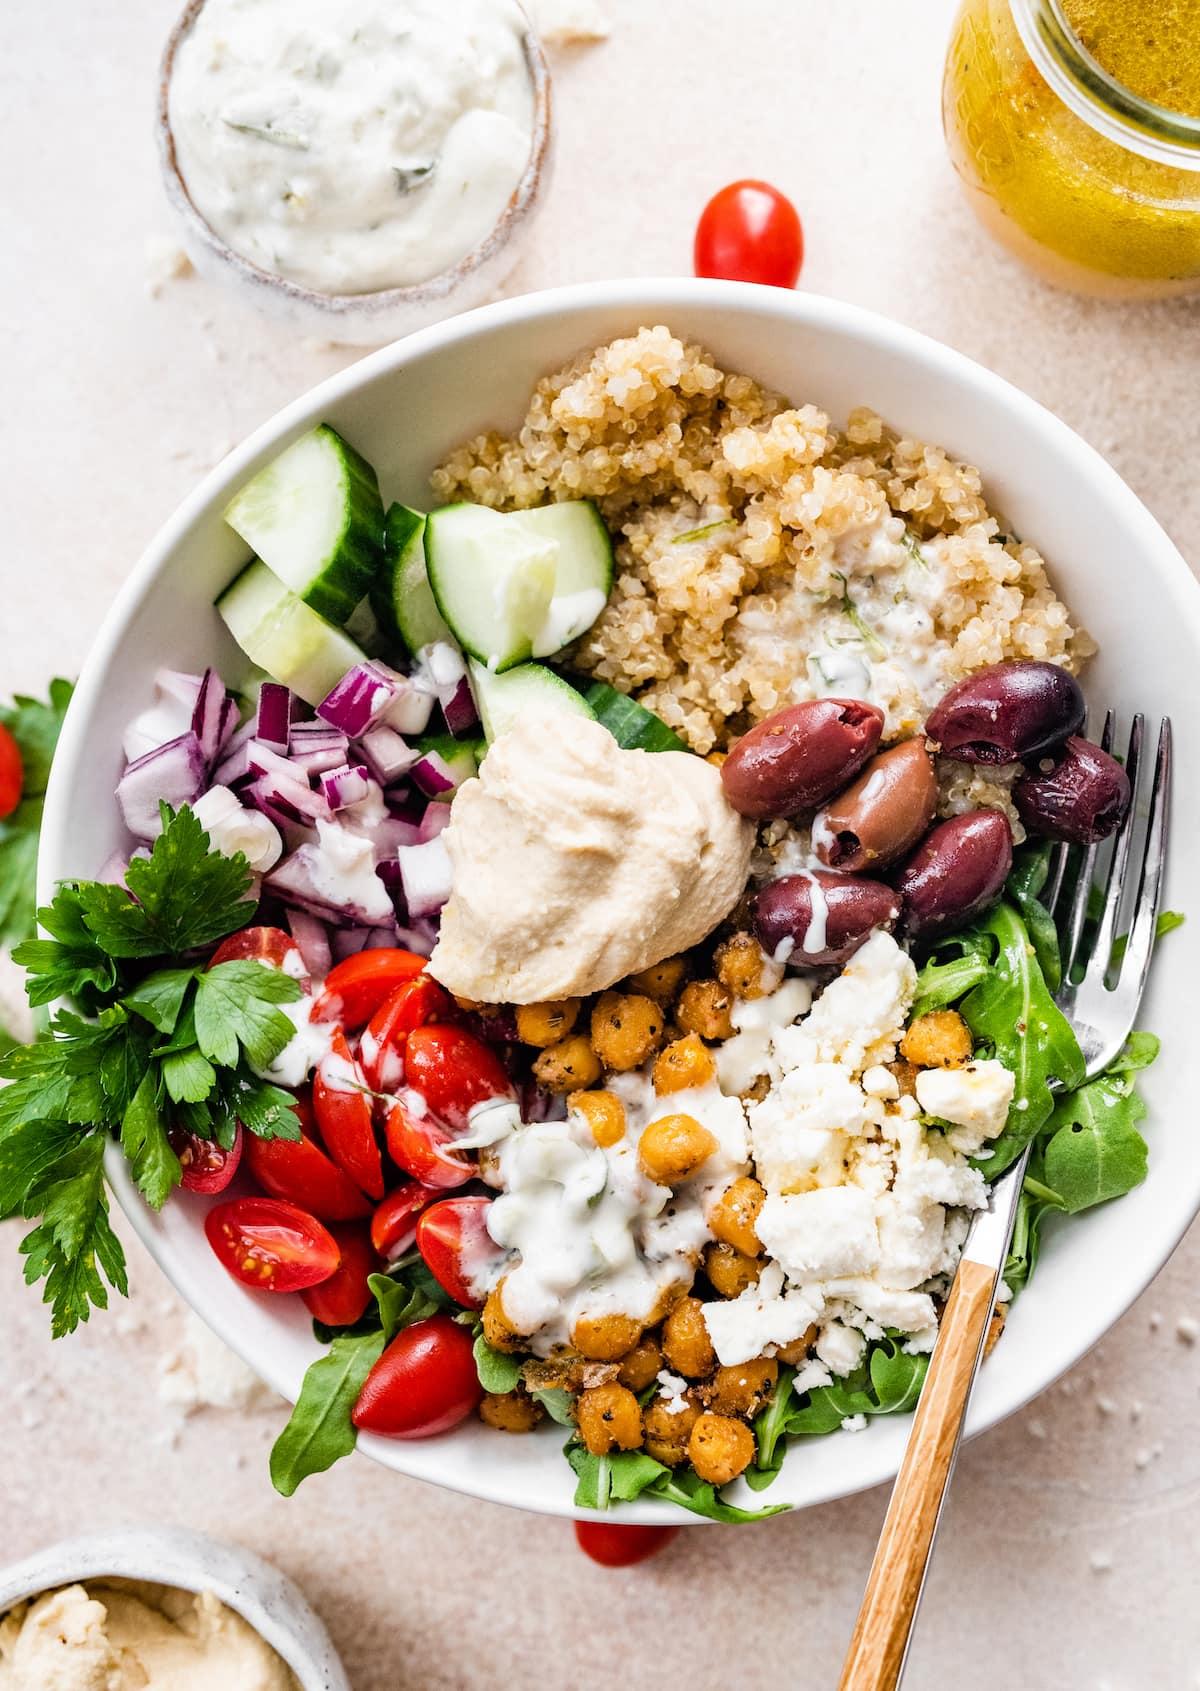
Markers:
point(1075, 127)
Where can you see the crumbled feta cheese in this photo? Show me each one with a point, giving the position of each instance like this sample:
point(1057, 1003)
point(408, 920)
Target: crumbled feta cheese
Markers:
point(797, 1131)
point(854, 1423)
point(881, 1306)
point(673, 1396)
point(742, 1059)
point(975, 1099)
point(763, 1316)
point(840, 1347)
point(858, 1018)
point(910, 1242)
point(878, 1082)
point(822, 1235)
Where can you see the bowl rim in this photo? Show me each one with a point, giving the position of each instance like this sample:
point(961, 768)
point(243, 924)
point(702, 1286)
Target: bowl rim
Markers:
point(638, 296)
point(378, 301)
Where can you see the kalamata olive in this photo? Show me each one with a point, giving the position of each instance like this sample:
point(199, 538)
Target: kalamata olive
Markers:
point(795, 759)
point(882, 815)
point(1082, 797)
point(1007, 713)
point(826, 917)
point(956, 872)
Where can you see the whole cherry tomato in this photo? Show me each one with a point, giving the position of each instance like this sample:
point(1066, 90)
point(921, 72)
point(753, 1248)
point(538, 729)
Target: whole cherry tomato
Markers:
point(421, 1146)
point(261, 945)
point(453, 1071)
point(299, 1170)
point(206, 1166)
point(356, 987)
point(385, 1039)
point(12, 773)
point(342, 1107)
point(424, 1383)
point(620, 1547)
point(750, 232)
point(453, 1239)
point(345, 1296)
point(270, 1245)
point(394, 1224)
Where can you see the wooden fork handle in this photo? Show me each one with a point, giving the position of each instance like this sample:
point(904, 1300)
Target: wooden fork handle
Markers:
point(876, 1655)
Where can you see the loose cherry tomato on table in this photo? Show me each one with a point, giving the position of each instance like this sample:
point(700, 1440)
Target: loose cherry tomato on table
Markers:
point(394, 1224)
point(453, 1239)
point(424, 1383)
point(260, 945)
point(620, 1547)
point(750, 232)
point(270, 1245)
point(385, 1039)
point(421, 1146)
point(12, 773)
point(342, 1107)
point(300, 1171)
point(453, 1071)
point(345, 1296)
point(356, 987)
point(206, 1166)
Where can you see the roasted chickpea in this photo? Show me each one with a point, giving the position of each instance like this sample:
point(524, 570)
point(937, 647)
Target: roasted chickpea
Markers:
point(604, 1114)
point(667, 1429)
point(684, 1063)
point(704, 1008)
point(498, 1330)
point(685, 1341)
point(661, 981)
point(720, 1448)
point(567, 1066)
point(938, 1040)
point(627, 1027)
point(510, 1412)
point(605, 1338)
point(545, 1024)
point(742, 1390)
point(729, 1270)
point(674, 1147)
point(734, 1214)
point(609, 1419)
point(796, 1350)
point(642, 1364)
point(743, 967)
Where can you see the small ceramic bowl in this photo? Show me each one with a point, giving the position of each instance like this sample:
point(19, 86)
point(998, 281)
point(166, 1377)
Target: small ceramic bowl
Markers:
point(276, 1609)
point(368, 319)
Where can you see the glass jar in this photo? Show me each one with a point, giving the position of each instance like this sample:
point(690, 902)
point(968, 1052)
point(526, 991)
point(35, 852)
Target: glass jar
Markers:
point(1094, 185)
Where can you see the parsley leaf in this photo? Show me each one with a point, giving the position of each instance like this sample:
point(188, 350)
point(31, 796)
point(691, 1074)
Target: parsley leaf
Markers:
point(144, 1141)
point(266, 1111)
point(159, 998)
point(235, 1004)
point(74, 1248)
point(35, 727)
point(70, 964)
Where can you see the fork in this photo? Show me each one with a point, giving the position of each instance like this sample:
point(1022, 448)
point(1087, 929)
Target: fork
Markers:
point(1100, 993)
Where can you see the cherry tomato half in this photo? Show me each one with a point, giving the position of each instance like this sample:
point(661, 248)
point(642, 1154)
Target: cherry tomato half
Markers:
point(345, 1296)
point(453, 1239)
point(12, 773)
point(750, 232)
point(420, 1145)
point(262, 945)
point(384, 1042)
point(620, 1547)
point(424, 1383)
point(453, 1071)
point(342, 1107)
point(206, 1167)
point(394, 1224)
point(357, 986)
point(299, 1170)
point(271, 1245)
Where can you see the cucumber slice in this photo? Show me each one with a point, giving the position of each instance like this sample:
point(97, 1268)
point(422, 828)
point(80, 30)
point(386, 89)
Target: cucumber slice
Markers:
point(584, 574)
point(284, 636)
point(631, 725)
point(503, 699)
point(461, 757)
point(314, 517)
point(492, 579)
point(402, 597)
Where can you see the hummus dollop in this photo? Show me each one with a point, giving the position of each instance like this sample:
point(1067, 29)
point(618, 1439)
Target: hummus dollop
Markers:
point(577, 863)
point(126, 1635)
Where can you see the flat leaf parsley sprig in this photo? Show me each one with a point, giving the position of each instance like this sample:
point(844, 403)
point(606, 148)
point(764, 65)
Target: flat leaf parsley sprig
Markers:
point(161, 1043)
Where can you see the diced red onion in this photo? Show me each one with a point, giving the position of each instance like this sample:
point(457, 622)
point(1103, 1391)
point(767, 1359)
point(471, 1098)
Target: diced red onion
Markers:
point(175, 773)
point(458, 707)
point(441, 665)
point(113, 872)
point(274, 716)
point(410, 710)
point(391, 833)
point(209, 715)
point(230, 716)
point(426, 875)
point(388, 870)
point(298, 882)
point(420, 939)
point(316, 747)
point(235, 759)
point(349, 784)
point(436, 817)
point(366, 695)
point(285, 798)
point(387, 754)
point(347, 942)
point(539, 1105)
point(180, 685)
point(404, 804)
point(433, 775)
point(312, 938)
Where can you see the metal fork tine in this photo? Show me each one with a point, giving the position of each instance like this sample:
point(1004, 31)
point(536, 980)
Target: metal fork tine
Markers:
point(1077, 915)
point(1107, 932)
point(1054, 880)
point(1136, 960)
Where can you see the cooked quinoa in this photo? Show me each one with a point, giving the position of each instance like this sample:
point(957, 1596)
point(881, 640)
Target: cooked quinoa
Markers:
point(764, 556)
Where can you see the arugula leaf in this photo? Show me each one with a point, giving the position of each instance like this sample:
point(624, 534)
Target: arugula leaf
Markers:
point(497, 1371)
point(235, 1005)
point(144, 1140)
point(557, 1403)
point(70, 964)
point(619, 1477)
point(1032, 1205)
point(684, 1487)
point(965, 963)
point(1094, 1151)
point(35, 727)
point(74, 1248)
point(1031, 867)
point(406, 1294)
point(319, 1431)
point(159, 998)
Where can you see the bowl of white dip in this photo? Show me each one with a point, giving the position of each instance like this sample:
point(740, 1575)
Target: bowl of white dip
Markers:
point(358, 170)
point(181, 1608)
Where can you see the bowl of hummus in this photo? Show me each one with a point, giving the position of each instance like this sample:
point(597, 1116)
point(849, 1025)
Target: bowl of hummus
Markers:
point(138, 1606)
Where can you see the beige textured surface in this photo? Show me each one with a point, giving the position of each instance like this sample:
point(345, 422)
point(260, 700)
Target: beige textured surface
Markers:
point(1067, 1559)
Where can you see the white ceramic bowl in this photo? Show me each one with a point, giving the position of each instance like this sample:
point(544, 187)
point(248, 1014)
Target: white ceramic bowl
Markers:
point(275, 1607)
point(363, 319)
point(1110, 559)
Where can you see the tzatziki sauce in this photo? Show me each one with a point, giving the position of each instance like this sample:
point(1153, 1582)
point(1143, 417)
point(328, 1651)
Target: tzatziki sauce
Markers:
point(352, 147)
